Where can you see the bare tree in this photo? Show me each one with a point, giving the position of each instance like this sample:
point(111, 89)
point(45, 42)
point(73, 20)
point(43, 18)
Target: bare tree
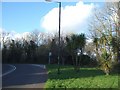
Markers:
point(104, 28)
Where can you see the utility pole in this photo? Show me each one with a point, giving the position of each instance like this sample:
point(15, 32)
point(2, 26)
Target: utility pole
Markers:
point(118, 33)
point(59, 34)
point(59, 37)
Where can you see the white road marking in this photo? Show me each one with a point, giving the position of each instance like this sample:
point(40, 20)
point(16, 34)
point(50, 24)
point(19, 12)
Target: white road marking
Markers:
point(42, 66)
point(10, 71)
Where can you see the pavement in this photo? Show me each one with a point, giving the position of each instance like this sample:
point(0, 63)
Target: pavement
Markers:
point(24, 76)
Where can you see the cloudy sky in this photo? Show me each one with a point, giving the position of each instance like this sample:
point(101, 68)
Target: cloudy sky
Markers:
point(22, 17)
point(73, 18)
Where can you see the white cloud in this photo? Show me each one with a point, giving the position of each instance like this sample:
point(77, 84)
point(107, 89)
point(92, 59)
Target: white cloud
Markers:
point(73, 18)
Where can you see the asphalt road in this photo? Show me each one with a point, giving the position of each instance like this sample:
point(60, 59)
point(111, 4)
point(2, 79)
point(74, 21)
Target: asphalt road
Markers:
point(23, 76)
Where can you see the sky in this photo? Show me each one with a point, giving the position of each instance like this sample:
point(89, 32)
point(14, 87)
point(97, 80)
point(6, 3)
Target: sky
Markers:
point(22, 17)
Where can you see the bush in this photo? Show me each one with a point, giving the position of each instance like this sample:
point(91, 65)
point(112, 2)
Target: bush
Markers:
point(116, 68)
point(87, 61)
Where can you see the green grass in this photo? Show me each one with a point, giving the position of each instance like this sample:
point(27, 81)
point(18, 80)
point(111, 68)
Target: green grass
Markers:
point(85, 78)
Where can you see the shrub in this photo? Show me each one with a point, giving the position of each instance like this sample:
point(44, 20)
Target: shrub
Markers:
point(87, 61)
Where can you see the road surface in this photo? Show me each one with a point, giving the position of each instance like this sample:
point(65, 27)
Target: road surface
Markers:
point(23, 76)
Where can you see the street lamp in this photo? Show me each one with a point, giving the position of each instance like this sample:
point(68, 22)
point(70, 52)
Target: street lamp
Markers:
point(59, 33)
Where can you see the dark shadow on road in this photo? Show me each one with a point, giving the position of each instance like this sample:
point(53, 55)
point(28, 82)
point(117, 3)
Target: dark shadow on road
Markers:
point(6, 68)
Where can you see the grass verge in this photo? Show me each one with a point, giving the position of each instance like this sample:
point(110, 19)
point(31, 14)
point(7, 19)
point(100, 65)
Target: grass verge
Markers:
point(85, 78)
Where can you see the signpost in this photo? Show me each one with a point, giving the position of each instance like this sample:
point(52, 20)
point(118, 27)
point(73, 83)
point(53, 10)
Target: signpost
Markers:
point(50, 54)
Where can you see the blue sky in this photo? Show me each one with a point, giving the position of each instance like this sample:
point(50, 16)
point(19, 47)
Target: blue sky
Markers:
point(28, 16)
point(23, 17)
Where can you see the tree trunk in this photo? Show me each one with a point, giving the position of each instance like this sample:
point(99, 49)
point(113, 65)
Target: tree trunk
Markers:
point(73, 60)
